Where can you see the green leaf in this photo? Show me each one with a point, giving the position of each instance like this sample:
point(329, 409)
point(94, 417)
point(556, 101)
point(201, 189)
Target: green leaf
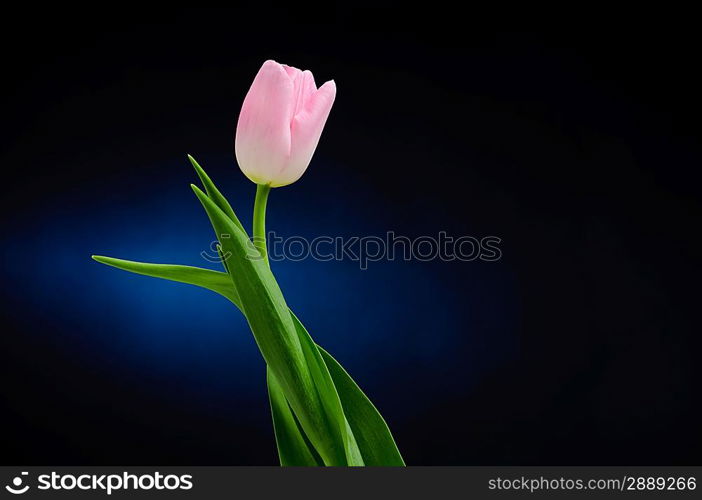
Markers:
point(317, 408)
point(372, 434)
point(294, 449)
point(214, 194)
point(218, 282)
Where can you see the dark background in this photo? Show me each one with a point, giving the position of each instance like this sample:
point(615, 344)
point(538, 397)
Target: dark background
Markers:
point(575, 141)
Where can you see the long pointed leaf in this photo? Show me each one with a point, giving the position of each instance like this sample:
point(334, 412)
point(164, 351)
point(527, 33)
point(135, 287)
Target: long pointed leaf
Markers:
point(372, 434)
point(216, 281)
point(214, 194)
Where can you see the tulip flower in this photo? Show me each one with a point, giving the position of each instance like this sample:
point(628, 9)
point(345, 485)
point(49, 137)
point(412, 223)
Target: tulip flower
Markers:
point(320, 415)
point(280, 123)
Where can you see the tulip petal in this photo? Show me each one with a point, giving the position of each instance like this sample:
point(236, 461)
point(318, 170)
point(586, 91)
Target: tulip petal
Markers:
point(304, 86)
point(263, 139)
point(306, 129)
point(309, 87)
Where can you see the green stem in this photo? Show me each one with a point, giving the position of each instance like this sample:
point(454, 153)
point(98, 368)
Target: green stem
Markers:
point(259, 219)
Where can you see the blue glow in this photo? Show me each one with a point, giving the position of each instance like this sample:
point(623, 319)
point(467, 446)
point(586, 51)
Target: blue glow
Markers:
point(426, 326)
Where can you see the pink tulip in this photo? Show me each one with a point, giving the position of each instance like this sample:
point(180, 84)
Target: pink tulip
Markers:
point(280, 123)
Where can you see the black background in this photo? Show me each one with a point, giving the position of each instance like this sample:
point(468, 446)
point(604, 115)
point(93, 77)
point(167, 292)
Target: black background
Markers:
point(575, 140)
